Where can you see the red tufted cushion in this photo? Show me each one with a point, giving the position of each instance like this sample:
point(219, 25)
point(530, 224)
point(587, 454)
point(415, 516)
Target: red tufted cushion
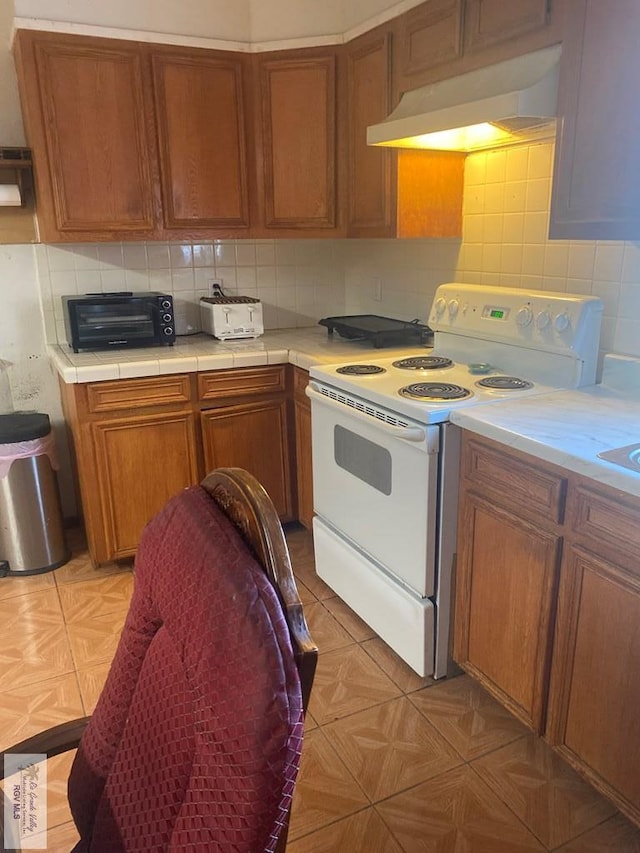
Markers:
point(195, 742)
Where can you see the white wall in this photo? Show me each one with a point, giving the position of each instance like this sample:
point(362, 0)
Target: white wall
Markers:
point(221, 19)
point(11, 130)
point(234, 20)
point(33, 384)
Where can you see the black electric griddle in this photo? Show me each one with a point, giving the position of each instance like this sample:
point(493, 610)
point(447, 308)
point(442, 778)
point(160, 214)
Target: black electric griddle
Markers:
point(380, 331)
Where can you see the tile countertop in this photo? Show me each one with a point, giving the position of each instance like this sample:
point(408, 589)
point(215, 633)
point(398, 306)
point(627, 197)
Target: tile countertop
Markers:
point(570, 428)
point(302, 347)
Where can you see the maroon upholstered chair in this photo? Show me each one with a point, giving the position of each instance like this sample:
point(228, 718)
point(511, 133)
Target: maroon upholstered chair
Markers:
point(195, 742)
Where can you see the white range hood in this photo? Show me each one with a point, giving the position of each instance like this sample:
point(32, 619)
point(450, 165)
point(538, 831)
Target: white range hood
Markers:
point(502, 104)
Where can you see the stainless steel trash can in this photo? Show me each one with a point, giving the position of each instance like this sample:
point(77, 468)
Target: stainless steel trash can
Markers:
point(32, 537)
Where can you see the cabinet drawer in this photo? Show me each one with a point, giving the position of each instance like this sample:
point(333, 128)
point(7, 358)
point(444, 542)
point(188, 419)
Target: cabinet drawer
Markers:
point(133, 393)
point(610, 524)
point(514, 480)
point(237, 383)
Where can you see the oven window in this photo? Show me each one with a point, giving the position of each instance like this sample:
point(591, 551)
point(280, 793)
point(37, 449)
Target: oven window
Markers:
point(365, 459)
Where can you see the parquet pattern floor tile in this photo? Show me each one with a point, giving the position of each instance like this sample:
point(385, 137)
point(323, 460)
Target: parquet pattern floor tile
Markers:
point(455, 813)
point(390, 748)
point(325, 790)
point(616, 835)
point(363, 831)
point(471, 720)
point(392, 763)
point(348, 681)
point(546, 794)
point(29, 709)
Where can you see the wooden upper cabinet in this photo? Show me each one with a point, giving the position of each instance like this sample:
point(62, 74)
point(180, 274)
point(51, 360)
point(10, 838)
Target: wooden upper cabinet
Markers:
point(89, 126)
point(488, 22)
point(430, 35)
point(393, 193)
point(596, 183)
point(200, 117)
point(299, 164)
point(371, 182)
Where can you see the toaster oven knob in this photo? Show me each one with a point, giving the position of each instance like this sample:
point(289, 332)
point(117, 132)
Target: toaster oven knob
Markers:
point(168, 330)
point(524, 316)
point(165, 304)
point(167, 318)
point(441, 306)
point(561, 322)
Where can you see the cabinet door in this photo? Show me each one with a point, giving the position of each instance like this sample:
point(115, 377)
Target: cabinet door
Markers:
point(200, 117)
point(140, 463)
point(88, 125)
point(430, 35)
point(595, 690)
point(371, 190)
point(596, 183)
point(488, 22)
point(252, 436)
point(505, 590)
point(299, 142)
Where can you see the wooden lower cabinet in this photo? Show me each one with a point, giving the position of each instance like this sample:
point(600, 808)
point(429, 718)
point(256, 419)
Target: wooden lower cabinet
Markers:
point(595, 690)
point(304, 463)
point(250, 436)
point(548, 608)
point(506, 578)
point(140, 463)
point(137, 442)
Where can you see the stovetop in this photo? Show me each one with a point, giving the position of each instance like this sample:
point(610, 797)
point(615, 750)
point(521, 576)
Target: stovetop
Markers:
point(412, 390)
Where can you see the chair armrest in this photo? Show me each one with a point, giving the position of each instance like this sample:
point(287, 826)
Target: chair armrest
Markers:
point(51, 742)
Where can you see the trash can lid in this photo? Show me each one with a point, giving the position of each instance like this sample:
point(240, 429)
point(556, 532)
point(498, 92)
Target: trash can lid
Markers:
point(23, 426)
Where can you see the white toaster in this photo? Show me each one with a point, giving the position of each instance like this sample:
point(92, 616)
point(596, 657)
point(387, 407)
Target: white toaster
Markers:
point(227, 317)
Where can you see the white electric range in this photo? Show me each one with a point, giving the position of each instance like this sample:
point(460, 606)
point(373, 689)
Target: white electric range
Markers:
point(386, 459)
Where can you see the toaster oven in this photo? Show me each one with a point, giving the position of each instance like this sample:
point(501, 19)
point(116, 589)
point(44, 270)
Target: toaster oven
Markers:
point(105, 320)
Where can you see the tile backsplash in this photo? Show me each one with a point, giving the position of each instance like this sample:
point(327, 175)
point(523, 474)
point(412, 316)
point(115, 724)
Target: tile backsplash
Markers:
point(504, 241)
point(297, 280)
point(505, 225)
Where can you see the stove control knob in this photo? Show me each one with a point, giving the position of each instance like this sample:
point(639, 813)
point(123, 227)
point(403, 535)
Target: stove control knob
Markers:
point(454, 305)
point(524, 316)
point(561, 322)
point(543, 319)
point(441, 305)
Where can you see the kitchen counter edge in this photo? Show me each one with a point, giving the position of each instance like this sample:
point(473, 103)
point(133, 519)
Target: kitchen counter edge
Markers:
point(566, 428)
point(302, 347)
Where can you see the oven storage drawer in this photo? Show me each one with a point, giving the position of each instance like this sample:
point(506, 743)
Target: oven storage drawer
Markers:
point(404, 621)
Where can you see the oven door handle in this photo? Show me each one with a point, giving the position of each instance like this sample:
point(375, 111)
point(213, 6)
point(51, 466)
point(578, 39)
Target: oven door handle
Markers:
point(411, 433)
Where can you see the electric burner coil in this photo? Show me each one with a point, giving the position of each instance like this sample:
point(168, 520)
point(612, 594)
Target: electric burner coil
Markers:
point(435, 391)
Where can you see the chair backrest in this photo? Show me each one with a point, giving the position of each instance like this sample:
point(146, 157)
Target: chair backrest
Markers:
point(195, 740)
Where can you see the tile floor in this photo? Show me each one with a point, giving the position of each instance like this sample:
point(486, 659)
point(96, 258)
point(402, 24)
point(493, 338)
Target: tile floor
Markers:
point(391, 762)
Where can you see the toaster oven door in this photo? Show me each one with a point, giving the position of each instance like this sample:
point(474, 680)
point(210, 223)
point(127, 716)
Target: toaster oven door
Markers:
point(113, 323)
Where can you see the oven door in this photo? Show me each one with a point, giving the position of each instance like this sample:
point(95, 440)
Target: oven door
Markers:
point(375, 482)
